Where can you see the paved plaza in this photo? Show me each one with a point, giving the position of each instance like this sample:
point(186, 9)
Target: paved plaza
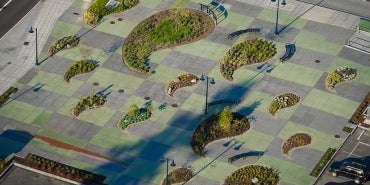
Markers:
point(43, 104)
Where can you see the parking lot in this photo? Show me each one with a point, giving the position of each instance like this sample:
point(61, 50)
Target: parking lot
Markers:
point(356, 149)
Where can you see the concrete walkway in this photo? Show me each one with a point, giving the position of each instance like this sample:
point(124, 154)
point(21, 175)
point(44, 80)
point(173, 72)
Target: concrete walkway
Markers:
point(18, 58)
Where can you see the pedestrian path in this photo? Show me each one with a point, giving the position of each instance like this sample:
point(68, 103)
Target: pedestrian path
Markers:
point(19, 58)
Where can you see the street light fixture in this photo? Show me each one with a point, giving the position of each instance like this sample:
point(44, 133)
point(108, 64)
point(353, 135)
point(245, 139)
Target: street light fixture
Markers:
point(202, 78)
point(31, 31)
point(173, 164)
point(277, 14)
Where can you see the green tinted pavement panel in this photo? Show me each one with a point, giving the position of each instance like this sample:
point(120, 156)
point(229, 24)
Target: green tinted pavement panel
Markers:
point(63, 29)
point(330, 103)
point(99, 116)
point(70, 154)
point(320, 140)
point(284, 19)
point(82, 52)
point(119, 28)
point(286, 113)
point(112, 138)
point(363, 72)
point(25, 113)
point(163, 116)
point(149, 3)
point(55, 83)
point(261, 99)
point(158, 56)
point(82, 4)
point(107, 77)
point(296, 73)
point(67, 108)
point(153, 171)
point(192, 103)
point(247, 78)
point(215, 170)
point(264, 140)
point(204, 48)
point(165, 74)
point(235, 21)
point(288, 171)
point(139, 101)
point(317, 42)
point(170, 136)
point(60, 137)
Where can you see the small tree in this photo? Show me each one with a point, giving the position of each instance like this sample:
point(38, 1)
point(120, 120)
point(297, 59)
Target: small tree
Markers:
point(133, 110)
point(225, 118)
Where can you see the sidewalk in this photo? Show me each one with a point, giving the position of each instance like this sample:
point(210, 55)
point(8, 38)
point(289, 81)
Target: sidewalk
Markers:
point(18, 58)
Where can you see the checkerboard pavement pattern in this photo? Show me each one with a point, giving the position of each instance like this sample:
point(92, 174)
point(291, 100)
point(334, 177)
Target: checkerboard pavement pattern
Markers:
point(136, 152)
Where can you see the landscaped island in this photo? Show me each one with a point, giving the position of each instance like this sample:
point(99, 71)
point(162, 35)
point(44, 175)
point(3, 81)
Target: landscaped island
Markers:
point(79, 67)
point(295, 141)
point(179, 175)
point(246, 53)
point(180, 82)
point(253, 174)
point(343, 74)
point(135, 115)
point(163, 30)
point(282, 101)
point(222, 125)
point(90, 102)
point(63, 43)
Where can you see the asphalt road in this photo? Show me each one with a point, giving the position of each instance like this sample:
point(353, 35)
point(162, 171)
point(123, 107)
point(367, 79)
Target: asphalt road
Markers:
point(13, 12)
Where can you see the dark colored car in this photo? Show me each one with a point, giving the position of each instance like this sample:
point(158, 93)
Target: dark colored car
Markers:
point(359, 172)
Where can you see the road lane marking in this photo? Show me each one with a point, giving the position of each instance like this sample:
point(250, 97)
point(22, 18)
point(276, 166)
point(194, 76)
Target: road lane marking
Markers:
point(5, 5)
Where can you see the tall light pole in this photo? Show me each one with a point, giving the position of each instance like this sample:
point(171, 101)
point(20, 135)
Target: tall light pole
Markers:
point(31, 31)
point(173, 164)
point(204, 77)
point(277, 14)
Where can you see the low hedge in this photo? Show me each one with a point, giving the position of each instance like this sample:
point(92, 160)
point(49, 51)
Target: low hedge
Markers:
point(6, 95)
point(321, 164)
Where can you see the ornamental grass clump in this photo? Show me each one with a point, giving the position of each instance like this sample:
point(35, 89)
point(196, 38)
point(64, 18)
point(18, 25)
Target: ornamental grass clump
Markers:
point(63, 43)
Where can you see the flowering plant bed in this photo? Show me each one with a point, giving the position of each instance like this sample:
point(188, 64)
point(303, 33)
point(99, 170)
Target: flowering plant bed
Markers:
point(323, 161)
point(90, 102)
point(222, 125)
point(343, 74)
point(62, 170)
point(136, 115)
point(98, 10)
point(79, 67)
point(295, 141)
point(282, 101)
point(246, 53)
point(179, 175)
point(253, 174)
point(65, 42)
point(181, 81)
point(357, 117)
point(162, 30)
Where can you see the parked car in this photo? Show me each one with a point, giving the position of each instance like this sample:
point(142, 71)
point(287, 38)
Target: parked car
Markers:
point(359, 172)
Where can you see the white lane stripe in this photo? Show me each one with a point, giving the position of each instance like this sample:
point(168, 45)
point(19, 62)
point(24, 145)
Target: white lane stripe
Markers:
point(5, 5)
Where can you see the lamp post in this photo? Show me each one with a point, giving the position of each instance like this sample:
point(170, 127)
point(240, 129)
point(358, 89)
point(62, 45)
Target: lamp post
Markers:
point(173, 164)
point(277, 14)
point(31, 31)
point(204, 77)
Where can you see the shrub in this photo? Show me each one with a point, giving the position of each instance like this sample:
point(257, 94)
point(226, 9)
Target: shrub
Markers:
point(79, 67)
point(135, 115)
point(90, 102)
